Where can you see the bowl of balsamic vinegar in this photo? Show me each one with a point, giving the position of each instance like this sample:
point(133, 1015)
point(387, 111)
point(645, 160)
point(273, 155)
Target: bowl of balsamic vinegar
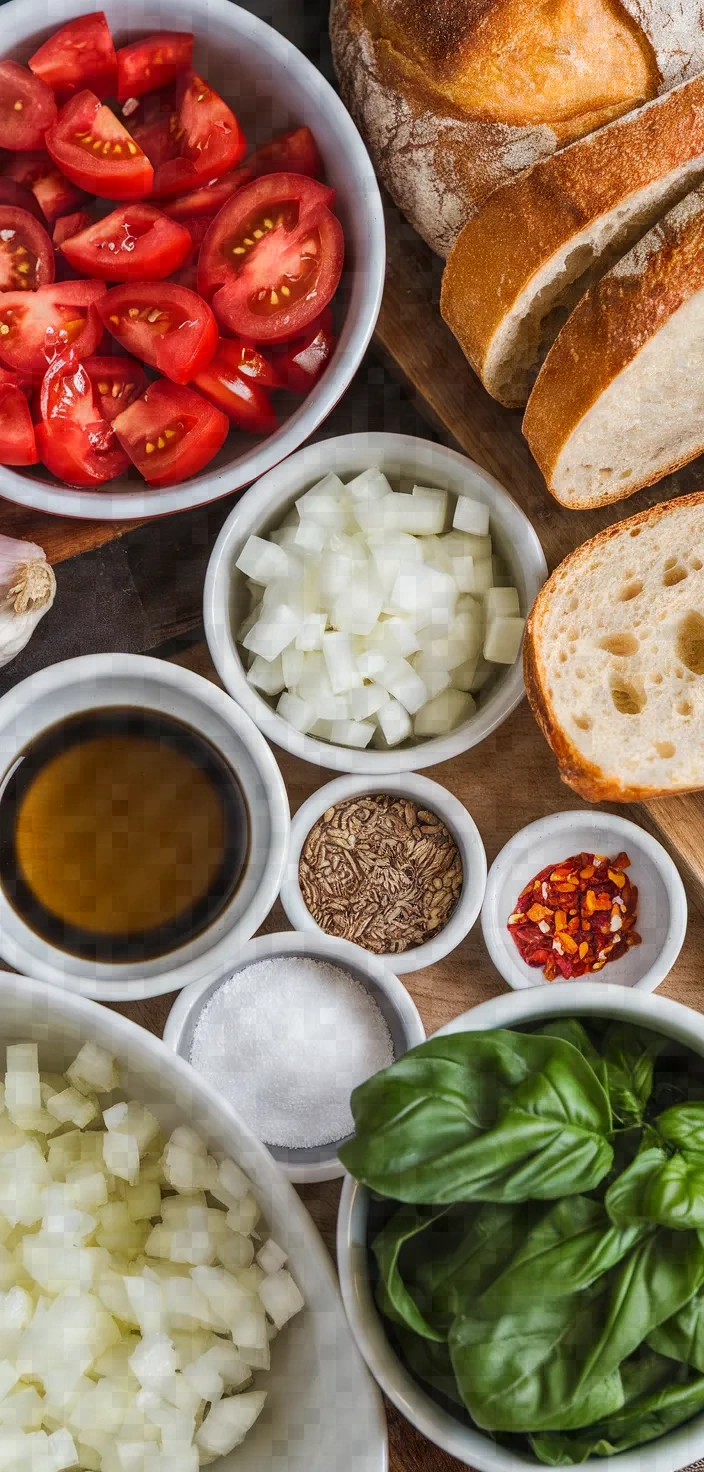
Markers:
point(143, 826)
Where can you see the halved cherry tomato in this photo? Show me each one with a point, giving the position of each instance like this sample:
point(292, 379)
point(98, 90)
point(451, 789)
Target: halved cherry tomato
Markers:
point(92, 148)
point(208, 199)
point(246, 402)
point(289, 153)
point(301, 362)
point(26, 252)
point(164, 325)
point(74, 440)
point(152, 63)
point(18, 445)
point(70, 225)
point(79, 55)
point(21, 198)
point(117, 382)
point(272, 258)
point(170, 433)
point(27, 107)
point(135, 243)
point(52, 191)
point(36, 325)
point(210, 140)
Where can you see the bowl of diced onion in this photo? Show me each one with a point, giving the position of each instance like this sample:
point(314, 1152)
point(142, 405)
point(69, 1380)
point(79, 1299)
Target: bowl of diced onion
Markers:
point(365, 603)
point(164, 1296)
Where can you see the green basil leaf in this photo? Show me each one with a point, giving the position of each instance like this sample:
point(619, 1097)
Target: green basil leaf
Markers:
point(572, 1246)
point(571, 1031)
point(393, 1297)
point(430, 1362)
point(682, 1336)
point(628, 1053)
point(626, 1200)
point(455, 1273)
point(661, 1188)
point(641, 1421)
point(682, 1126)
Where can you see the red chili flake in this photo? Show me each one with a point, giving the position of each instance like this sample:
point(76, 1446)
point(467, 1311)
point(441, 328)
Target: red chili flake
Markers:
point(572, 927)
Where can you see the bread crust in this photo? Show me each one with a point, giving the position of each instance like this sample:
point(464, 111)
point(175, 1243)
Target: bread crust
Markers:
point(583, 776)
point(523, 225)
point(607, 330)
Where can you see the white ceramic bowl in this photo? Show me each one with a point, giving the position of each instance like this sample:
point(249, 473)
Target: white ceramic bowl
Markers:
point(316, 1163)
point(103, 680)
point(271, 86)
point(662, 903)
point(323, 1408)
point(428, 795)
point(513, 1009)
point(404, 460)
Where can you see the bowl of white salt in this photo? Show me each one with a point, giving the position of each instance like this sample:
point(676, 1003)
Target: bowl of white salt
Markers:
point(285, 1033)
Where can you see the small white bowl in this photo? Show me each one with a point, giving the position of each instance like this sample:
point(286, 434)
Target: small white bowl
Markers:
point(97, 681)
point(428, 795)
point(271, 86)
point(662, 903)
point(404, 460)
point(319, 1162)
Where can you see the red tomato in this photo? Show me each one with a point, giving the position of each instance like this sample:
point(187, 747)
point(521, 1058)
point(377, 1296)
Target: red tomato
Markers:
point(152, 63)
point(301, 362)
point(79, 55)
point(27, 107)
point(70, 225)
point(289, 153)
point(272, 258)
point(208, 198)
point(17, 442)
point(197, 227)
point(170, 433)
point(92, 148)
point(135, 243)
point(74, 440)
point(16, 380)
point(26, 252)
point(52, 191)
point(116, 382)
point(210, 140)
point(164, 325)
point(244, 400)
point(36, 325)
point(21, 197)
point(247, 360)
point(153, 125)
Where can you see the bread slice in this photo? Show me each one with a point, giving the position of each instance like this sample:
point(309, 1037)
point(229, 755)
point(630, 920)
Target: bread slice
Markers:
point(520, 265)
point(614, 657)
point(619, 402)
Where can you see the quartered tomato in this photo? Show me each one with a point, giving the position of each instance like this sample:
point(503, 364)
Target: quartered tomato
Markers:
point(116, 383)
point(208, 198)
point(52, 191)
point(17, 442)
point(74, 440)
point(152, 63)
point(79, 55)
point(289, 153)
point(247, 359)
point(135, 243)
point(272, 258)
point(27, 107)
point(21, 197)
point(210, 140)
point(36, 325)
point(26, 252)
point(95, 152)
point(153, 124)
point(300, 362)
point(164, 325)
point(170, 433)
point(70, 225)
point(242, 398)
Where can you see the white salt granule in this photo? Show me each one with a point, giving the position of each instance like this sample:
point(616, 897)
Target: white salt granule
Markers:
point(286, 1041)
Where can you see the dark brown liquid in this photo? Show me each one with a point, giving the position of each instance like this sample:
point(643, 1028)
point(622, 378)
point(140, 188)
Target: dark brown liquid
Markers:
point(123, 834)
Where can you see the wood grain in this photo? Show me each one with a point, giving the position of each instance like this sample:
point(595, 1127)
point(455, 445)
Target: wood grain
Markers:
point(60, 536)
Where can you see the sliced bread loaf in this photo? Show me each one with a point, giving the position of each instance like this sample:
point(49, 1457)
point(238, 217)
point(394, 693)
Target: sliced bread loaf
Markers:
point(619, 402)
point(537, 244)
point(614, 657)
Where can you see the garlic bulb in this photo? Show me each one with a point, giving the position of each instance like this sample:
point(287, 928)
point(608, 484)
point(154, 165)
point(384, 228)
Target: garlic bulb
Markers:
point(27, 591)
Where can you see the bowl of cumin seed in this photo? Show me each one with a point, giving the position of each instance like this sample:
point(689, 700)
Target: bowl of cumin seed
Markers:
point(397, 866)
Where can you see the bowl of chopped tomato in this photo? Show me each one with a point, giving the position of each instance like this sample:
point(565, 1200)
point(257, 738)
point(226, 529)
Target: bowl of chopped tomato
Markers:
point(584, 896)
point(191, 255)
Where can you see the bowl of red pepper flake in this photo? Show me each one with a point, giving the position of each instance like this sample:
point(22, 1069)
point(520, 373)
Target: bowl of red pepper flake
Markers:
point(614, 908)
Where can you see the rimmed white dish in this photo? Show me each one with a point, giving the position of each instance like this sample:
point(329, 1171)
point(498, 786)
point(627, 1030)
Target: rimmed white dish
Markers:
point(320, 1162)
point(403, 459)
point(513, 1009)
point(428, 795)
point(99, 681)
point(271, 86)
point(662, 903)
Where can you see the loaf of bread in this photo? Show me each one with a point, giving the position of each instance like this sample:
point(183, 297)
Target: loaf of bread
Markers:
point(455, 97)
point(619, 401)
point(614, 657)
point(522, 262)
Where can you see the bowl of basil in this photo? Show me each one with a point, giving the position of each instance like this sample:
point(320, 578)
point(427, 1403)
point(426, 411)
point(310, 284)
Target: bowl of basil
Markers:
point(521, 1232)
